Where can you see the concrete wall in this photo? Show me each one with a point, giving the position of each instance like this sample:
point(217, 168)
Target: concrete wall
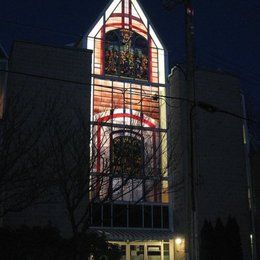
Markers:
point(48, 96)
point(221, 177)
point(179, 163)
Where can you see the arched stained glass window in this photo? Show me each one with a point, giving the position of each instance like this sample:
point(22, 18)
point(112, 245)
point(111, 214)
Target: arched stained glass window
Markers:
point(126, 54)
point(127, 155)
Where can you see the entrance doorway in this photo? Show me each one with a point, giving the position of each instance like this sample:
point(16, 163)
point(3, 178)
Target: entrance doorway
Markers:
point(145, 250)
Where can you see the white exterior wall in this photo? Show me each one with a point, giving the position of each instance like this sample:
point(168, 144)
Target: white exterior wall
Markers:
point(221, 176)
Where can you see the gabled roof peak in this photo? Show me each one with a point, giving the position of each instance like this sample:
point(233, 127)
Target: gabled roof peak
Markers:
point(127, 10)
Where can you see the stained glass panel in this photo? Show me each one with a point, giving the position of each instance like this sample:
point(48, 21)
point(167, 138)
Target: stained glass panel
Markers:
point(126, 54)
point(127, 155)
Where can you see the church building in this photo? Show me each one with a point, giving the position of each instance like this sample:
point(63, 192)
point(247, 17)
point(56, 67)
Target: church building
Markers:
point(133, 144)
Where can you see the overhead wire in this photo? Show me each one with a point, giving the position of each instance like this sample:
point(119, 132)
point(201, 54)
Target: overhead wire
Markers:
point(152, 96)
point(14, 23)
point(252, 78)
point(79, 35)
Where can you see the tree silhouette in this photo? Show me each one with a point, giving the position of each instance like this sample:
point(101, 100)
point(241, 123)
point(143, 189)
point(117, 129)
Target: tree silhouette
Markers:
point(45, 243)
point(22, 179)
point(220, 240)
point(233, 240)
point(207, 241)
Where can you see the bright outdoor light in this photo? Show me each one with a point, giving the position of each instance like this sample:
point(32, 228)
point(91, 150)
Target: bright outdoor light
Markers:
point(178, 241)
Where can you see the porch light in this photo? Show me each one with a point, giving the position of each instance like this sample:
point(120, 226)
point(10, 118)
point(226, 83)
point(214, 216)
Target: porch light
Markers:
point(178, 241)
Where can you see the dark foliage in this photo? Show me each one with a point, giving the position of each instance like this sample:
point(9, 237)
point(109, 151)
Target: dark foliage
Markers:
point(221, 242)
point(207, 244)
point(45, 243)
point(233, 240)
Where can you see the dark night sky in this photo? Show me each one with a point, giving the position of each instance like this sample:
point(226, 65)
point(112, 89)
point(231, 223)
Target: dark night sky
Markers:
point(227, 31)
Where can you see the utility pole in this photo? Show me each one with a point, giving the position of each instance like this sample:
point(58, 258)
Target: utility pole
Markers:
point(191, 236)
point(191, 89)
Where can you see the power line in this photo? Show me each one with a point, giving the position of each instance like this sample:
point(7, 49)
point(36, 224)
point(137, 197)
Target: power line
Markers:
point(252, 79)
point(216, 57)
point(212, 109)
point(205, 106)
point(14, 23)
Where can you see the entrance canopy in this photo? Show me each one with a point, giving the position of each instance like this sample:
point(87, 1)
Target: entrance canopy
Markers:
point(136, 234)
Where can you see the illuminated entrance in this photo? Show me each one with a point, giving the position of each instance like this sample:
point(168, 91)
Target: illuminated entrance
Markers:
point(145, 250)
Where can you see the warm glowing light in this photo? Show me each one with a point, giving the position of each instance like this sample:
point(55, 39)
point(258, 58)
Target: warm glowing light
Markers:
point(112, 8)
point(178, 241)
point(97, 27)
point(140, 12)
point(128, 67)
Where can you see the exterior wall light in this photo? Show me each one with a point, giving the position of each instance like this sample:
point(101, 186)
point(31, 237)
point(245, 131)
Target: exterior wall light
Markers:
point(178, 241)
point(179, 248)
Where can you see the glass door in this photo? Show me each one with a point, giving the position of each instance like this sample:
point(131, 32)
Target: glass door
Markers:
point(136, 252)
point(122, 249)
point(145, 250)
point(154, 252)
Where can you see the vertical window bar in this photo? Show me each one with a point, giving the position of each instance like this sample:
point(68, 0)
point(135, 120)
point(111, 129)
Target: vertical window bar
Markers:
point(161, 217)
point(152, 215)
point(123, 12)
point(112, 214)
point(142, 216)
point(111, 140)
point(126, 7)
point(103, 43)
point(91, 214)
point(127, 215)
point(158, 64)
point(150, 67)
point(102, 216)
point(130, 16)
point(150, 71)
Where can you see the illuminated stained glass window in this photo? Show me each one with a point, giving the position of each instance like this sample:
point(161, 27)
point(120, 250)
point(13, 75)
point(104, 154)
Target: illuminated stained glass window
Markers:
point(126, 54)
point(129, 144)
point(127, 155)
